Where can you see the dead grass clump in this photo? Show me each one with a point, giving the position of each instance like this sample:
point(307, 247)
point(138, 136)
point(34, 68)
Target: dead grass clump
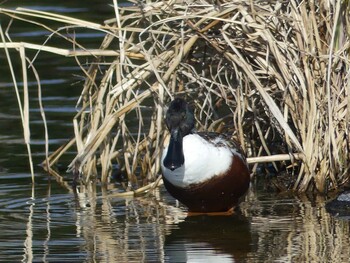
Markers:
point(275, 74)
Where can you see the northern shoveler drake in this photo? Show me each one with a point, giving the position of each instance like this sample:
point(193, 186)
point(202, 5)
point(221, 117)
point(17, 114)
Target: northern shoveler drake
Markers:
point(207, 172)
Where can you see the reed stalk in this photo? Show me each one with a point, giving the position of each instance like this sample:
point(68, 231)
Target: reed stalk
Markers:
point(273, 74)
point(23, 103)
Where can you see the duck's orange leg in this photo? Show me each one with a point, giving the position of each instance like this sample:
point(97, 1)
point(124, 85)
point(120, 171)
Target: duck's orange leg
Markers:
point(229, 212)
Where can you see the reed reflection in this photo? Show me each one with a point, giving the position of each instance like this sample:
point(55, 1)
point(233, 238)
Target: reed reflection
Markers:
point(28, 242)
point(124, 229)
point(152, 228)
point(295, 228)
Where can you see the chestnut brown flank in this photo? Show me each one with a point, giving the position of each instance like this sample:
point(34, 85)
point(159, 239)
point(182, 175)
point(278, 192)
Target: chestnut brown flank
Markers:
point(218, 194)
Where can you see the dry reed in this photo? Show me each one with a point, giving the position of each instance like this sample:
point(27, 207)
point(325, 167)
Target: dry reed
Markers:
point(274, 74)
point(23, 103)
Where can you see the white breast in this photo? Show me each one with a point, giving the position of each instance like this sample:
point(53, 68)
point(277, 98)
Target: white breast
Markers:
point(203, 161)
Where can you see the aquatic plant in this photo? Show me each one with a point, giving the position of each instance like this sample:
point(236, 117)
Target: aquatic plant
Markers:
point(274, 74)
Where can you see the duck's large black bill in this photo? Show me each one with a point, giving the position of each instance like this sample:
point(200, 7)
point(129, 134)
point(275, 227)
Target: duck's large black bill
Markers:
point(175, 156)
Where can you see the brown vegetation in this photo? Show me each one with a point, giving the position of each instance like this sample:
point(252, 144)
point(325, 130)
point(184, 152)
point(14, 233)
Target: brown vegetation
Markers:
point(274, 74)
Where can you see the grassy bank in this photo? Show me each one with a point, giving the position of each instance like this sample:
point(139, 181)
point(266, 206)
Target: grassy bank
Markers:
point(274, 75)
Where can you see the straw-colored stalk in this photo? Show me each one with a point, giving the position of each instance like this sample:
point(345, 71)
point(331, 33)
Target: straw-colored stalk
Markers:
point(23, 103)
point(273, 74)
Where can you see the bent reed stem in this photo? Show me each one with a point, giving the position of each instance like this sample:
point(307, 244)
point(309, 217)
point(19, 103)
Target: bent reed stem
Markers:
point(272, 74)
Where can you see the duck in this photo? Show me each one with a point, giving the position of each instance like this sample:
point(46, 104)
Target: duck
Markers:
point(205, 171)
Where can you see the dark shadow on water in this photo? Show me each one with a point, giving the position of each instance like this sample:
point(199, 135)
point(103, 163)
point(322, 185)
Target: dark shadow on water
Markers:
point(207, 238)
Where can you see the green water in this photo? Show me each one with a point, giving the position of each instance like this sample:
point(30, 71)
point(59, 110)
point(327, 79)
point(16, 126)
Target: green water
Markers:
point(46, 222)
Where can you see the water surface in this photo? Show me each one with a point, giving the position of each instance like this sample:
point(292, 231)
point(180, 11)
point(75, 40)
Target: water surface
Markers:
point(46, 222)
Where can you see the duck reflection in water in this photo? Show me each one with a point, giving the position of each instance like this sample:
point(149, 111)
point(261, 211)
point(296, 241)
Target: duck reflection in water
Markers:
point(209, 239)
point(207, 172)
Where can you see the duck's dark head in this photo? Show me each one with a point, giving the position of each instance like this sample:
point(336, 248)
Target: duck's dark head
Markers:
point(180, 122)
point(179, 118)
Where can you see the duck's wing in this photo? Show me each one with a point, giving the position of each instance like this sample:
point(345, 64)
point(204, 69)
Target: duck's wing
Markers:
point(222, 140)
